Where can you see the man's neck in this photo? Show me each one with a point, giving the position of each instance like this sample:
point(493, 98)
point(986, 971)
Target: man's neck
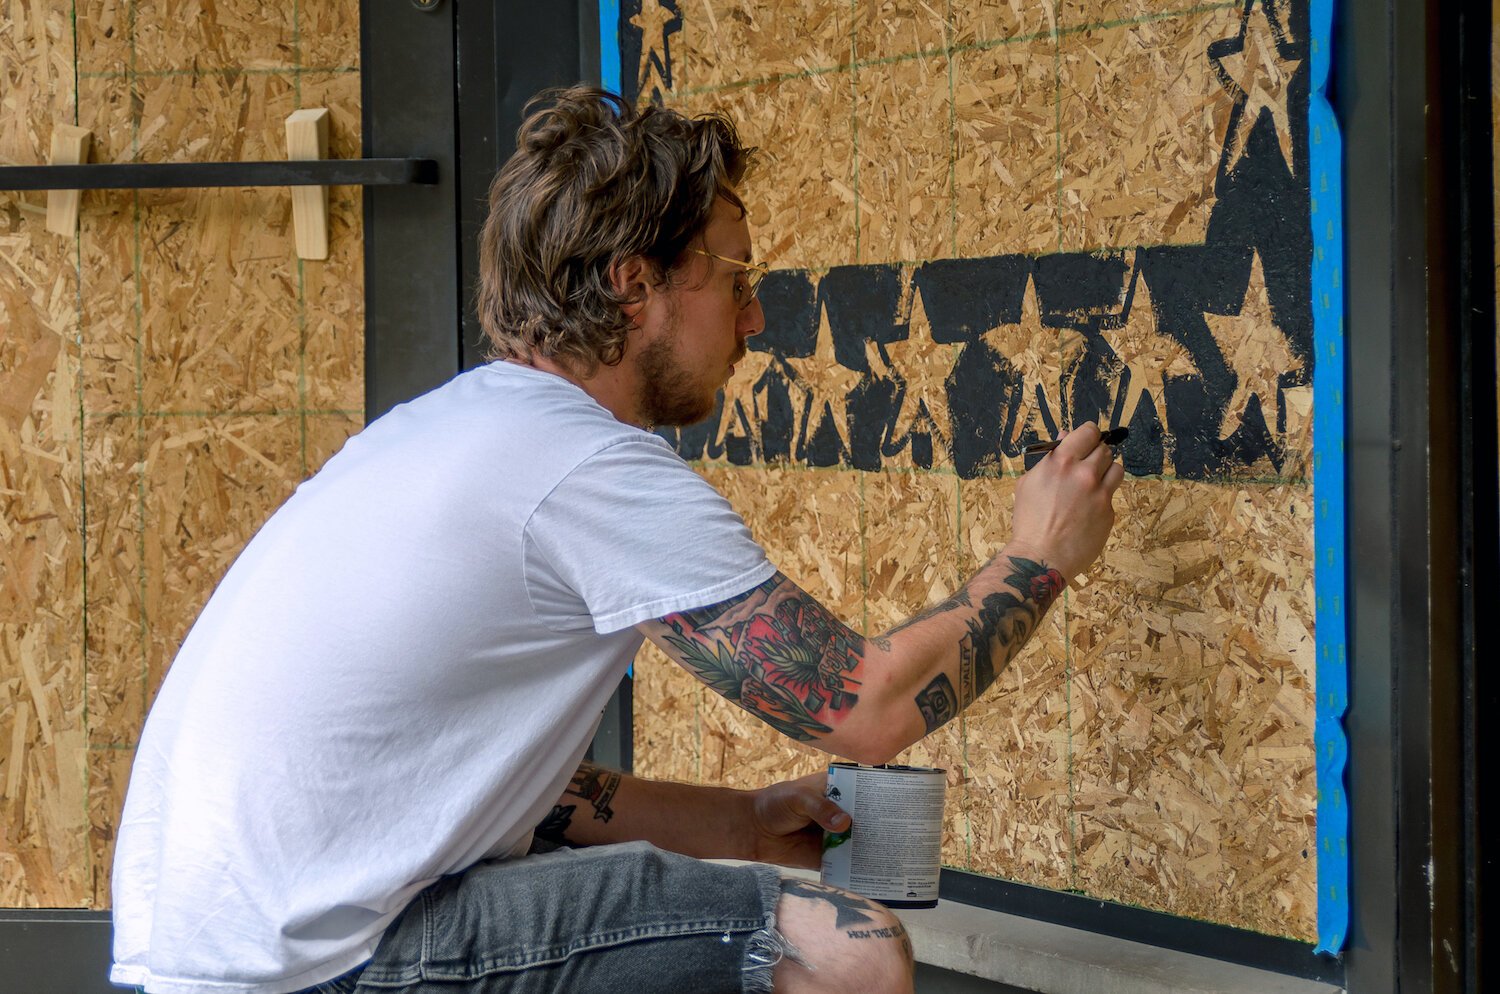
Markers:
point(610, 386)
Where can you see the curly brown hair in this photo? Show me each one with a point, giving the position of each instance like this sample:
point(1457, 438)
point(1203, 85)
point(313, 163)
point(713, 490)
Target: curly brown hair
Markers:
point(594, 181)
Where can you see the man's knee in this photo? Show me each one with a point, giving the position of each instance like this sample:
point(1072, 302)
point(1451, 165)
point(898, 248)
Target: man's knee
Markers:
point(844, 943)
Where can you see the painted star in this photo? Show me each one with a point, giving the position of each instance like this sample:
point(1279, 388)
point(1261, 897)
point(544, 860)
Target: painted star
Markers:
point(1035, 352)
point(1255, 67)
point(1147, 353)
point(923, 366)
point(821, 377)
point(1255, 350)
point(742, 415)
point(653, 21)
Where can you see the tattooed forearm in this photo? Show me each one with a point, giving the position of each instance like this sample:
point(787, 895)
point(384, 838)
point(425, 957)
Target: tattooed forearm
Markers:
point(995, 633)
point(1002, 625)
point(958, 600)
point(590, 783)
point(775, 652)
point(597, 787)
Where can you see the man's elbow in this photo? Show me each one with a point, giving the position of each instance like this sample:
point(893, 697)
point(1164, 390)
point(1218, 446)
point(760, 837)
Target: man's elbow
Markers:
point(876, 748)
point(872, 758)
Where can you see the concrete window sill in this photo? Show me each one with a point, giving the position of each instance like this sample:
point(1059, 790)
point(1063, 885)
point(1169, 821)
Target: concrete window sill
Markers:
point(1039, 956)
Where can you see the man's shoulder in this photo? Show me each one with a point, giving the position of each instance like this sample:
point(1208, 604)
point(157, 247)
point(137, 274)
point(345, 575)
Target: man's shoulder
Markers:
point(515, 406)
point(533, 422)
point(494, 430)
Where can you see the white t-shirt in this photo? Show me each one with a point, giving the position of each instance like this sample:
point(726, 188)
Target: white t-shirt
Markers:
point(399, 675)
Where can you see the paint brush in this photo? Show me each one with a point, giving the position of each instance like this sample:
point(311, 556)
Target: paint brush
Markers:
point(1112, 437)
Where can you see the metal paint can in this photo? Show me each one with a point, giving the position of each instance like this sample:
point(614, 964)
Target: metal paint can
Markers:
point(893, 851)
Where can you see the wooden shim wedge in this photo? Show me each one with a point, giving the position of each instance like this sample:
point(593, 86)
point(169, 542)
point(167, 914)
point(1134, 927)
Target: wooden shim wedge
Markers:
point(70, 147)
point(307, 138)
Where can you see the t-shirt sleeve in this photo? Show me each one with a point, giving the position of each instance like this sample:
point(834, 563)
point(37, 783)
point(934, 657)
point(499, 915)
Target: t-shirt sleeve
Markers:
point(633, 533)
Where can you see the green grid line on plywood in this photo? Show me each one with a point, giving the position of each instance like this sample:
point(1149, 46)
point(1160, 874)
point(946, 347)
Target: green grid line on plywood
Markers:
point(217, 71)
point(949, 50)
point(1005, 474)
point(270, 412)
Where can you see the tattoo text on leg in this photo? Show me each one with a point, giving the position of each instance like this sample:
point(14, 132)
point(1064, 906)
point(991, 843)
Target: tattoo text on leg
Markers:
point(896, 931)
point(777, 653)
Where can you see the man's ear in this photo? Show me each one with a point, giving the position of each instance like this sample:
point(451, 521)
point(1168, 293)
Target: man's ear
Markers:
point(633, 278)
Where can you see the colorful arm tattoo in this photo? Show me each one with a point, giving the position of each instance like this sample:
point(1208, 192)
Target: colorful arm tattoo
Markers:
point(780, 655)
point(775, 652)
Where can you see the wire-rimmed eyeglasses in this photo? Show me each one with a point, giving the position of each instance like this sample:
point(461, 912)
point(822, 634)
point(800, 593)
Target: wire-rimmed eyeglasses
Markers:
point(747, 283)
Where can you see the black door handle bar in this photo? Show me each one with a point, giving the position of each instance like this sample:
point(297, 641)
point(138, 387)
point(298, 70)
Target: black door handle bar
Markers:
point(163, 175)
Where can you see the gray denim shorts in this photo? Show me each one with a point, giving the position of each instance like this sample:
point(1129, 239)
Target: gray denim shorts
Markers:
point(629, 918)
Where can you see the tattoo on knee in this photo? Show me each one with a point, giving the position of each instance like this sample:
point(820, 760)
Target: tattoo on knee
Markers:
point(850, 909)
point(855, 916)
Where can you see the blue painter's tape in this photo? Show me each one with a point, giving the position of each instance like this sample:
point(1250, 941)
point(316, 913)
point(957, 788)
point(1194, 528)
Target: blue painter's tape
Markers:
point(1325, 159)
point(609, 45)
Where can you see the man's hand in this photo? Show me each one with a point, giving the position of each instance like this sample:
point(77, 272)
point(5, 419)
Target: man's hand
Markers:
point(1064, 504)
point(787, 821)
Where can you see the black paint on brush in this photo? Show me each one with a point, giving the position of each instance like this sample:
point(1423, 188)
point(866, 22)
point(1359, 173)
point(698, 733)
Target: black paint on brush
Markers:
point(1114, 436)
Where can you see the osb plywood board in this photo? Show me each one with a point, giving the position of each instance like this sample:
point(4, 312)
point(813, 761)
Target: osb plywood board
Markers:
point(667, 734)
point(804, 183)
point(987, 222)
point(1016, 737)
point(1192, 659)
point(1140, 109)
point(43, 747)
point(981, 121)
point(165, 380)
point(43, 816)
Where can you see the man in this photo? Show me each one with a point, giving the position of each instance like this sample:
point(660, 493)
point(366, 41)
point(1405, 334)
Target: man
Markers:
point(386, 702)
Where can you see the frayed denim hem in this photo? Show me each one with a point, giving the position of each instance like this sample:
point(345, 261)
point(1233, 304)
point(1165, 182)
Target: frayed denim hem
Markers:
point(766, 948)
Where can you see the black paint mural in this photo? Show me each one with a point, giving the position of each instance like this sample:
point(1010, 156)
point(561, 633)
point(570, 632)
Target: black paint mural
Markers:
point(850, 373)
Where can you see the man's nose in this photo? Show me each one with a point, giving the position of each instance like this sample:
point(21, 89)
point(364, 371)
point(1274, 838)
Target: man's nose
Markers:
point(752, 319)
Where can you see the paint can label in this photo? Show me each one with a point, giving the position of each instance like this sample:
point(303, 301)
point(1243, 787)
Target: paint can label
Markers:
point(893, 851)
